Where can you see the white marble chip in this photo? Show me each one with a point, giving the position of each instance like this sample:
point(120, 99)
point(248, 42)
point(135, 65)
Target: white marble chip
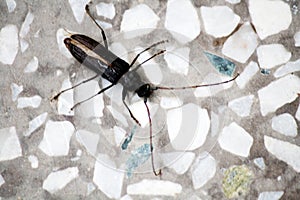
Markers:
point(33, 102)
point(271, 195)
point(33, 161)
point(56, 181)
point(78, 155)
point(214, 123)
point(219, 21)
point(78, 8)
point(23, 45)
point(250, 70)
point(119, 134)
point(89, 140)
point(278, 93)
point(139, 110)
point(57, 136)
point(266, 18)
point(37, 33)
point(15, 91)
point(61, 34)
point(241, 45)
point(79, 152)
point(182, 20)
point(285, 151)
point(188, 126)
point(178, 161)
point(297, 115)
point(288, 68)
point(26, 25)
point(35, 123)
point(2, 181)
point(235, 139)
point(151, 68)
point(153, 73)
point(119, 49)
point(90, 188)
point(139, 20)
point(154, 187)
point(259, 162)
point(65, 101)
point(285, 124)
point(114, 93)
point(11, 5)
point(279, 178)
point(10, 147)
point(9, 44)
point(242, 106)
point(297, 39)
point(126, 197)
point(178, 60)
point(104, 25)
point(233, 1)
point(32, 65)
point(203, 169)
point(271, 55)
point(106, 10)
point(170, 102)
point(118, 116)
point(108, 179)
point(93, 107)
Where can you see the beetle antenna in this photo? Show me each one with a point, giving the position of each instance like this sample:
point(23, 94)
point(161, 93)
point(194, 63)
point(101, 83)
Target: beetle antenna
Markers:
point(151, 142)
point(148, 48)
point(194, 86)
point(161, 52)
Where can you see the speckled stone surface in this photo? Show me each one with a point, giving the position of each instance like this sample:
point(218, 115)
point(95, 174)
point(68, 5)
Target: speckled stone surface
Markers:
point(221, 142)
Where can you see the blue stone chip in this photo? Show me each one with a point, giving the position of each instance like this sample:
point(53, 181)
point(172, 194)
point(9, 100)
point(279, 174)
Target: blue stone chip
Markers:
point(128, 139)
point(223, 65)
point(138, 157)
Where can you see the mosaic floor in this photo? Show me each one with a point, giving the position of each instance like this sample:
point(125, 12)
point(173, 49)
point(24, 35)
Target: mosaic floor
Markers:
point(233, 140)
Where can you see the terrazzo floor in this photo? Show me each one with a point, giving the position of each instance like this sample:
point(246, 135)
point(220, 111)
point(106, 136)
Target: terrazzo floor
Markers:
point(237, 140)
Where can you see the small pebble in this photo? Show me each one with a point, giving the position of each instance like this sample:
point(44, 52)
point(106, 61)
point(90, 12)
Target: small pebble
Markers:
point(34, 161)
point(32, 65)
point(11, 5)
point(33, 102)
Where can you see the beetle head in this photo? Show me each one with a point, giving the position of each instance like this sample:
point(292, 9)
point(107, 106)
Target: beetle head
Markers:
point(144, 90)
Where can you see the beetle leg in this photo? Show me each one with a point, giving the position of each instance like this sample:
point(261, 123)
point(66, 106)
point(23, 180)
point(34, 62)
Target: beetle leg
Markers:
point(126, 106)
point(101, 91)
point(82, 82)
point(102, 31)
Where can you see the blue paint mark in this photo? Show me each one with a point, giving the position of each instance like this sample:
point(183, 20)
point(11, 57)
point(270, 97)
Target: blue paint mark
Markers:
point(138, 157)
point(223, 65)
point(128, 139)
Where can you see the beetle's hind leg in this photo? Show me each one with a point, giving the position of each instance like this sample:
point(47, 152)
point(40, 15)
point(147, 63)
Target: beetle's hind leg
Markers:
point(82, 82)
point(101, 91)
point(87, 10)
